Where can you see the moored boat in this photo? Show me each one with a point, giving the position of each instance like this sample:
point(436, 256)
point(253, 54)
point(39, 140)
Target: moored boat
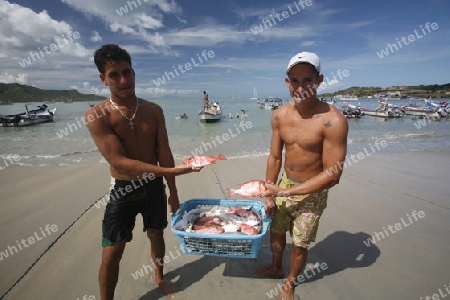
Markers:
point(350, 111)
point(210, 114)
point(384, 110)
point(255, 95)
point(429, 110)
point(30, 117)
point(270, 103)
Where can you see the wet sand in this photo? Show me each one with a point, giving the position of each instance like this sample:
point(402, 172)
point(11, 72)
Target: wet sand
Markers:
point(377, 196)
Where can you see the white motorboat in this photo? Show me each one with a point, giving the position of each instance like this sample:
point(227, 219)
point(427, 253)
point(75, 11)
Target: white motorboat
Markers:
point(30, 117)
point(384, 110)
point(210, 114)
point(270, 103)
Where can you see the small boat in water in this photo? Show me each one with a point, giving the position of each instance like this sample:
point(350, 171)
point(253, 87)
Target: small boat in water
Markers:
point(270, 103)
point(182, 116)
point(30, 117)
point(429, 110)
point(255, 95)
point(384, 110)
point(350, 111)
point(210, 114)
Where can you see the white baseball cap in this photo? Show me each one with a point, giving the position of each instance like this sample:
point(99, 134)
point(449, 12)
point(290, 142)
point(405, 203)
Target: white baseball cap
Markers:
point(304, 57)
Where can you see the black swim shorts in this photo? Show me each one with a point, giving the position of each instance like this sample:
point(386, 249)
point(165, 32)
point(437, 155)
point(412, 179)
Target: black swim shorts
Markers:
point(126, 200)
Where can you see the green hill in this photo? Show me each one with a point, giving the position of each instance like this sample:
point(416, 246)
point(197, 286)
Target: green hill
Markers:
point(418, 91)
point(24, 93)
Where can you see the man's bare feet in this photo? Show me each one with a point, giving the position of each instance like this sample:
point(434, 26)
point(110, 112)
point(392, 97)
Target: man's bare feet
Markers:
point(271, 272)
point(287, 291)
point(166, 288)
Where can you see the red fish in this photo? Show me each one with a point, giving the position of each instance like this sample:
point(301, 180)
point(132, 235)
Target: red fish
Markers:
point(254, 188)
point(209, 229)
point(201, 161)
point(247, 229)
point(239, 211)
point(211, 220)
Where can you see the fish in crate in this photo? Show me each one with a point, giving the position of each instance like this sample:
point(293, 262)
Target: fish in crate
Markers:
point(231, 228)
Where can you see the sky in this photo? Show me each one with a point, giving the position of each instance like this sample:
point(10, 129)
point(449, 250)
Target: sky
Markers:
point(228, 48)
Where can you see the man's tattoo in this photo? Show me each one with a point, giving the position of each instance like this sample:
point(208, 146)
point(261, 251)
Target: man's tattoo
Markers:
point(276, 118)
point(328, 124)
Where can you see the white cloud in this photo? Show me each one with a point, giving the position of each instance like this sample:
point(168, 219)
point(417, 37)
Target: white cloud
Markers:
point(76, 49)
point(21, 78)
point(23, 30)
point(139, 18)
point(96, 37)
point(86, 88)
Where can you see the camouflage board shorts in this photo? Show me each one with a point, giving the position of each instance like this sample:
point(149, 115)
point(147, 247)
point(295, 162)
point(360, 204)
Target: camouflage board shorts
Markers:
point(299, 214)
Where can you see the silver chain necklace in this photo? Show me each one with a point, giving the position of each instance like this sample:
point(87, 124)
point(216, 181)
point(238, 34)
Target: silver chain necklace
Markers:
point(125, 116)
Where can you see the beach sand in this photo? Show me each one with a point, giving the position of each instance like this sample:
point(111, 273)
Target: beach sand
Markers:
point(409, 262)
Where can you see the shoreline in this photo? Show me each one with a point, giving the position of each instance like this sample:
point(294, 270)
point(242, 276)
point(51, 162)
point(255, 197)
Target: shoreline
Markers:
point(179, 159)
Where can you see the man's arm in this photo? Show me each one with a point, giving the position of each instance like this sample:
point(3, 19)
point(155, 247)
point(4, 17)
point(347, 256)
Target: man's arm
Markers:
point(111, 148)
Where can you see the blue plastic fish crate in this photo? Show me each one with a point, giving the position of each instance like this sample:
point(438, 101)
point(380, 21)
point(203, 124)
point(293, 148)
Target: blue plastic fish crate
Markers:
point(225, 244)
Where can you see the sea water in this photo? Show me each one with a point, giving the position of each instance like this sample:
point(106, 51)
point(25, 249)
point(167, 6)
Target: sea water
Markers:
point(66, 140)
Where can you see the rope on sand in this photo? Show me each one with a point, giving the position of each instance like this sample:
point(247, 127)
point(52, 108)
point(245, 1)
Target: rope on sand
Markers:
point(49, 247)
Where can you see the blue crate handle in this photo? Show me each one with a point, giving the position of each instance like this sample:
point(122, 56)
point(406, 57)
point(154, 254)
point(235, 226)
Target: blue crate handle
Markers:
point(177, 216)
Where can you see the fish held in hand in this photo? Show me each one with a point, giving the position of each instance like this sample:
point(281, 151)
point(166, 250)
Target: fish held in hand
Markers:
point(201, 161)
point(254, 188)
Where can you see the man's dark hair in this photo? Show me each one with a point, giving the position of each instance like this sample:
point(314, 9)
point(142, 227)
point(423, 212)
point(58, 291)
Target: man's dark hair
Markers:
point(110, 52)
